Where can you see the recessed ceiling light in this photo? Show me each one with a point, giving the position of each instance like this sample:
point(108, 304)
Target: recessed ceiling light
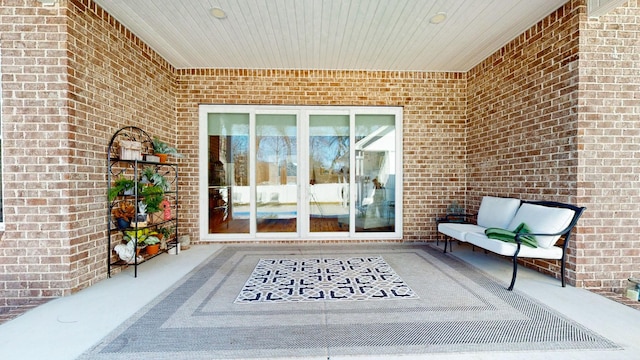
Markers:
point(218, 13)
point(438, 18)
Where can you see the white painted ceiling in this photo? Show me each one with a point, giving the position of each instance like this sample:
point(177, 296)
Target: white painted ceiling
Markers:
point(328, 34)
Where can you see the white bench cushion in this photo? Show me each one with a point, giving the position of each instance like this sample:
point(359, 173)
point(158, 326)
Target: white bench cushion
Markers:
point(497, 212)
point(542, 219)
point(508, 249)
point(458, 230)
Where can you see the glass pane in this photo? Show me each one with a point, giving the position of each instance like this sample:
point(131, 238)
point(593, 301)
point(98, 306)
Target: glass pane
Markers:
point(375, 173)
point(228, 175)
point(329, 173)
point(276, 173)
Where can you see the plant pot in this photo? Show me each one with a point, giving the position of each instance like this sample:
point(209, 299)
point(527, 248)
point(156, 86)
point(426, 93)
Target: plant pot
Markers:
point(153, 249)
point(163, 157)
point(122, 223)
point(141, 220)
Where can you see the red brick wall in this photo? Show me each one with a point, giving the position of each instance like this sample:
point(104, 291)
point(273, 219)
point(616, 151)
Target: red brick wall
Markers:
point(554, 115)
point(434, 119)
point(71, 76)
point(115, 80)
point(609, 140)
point(523, 122)
point(34, 249)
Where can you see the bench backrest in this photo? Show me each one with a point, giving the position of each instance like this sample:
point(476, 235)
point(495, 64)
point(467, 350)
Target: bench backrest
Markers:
point(564, 229)
point(497, 211)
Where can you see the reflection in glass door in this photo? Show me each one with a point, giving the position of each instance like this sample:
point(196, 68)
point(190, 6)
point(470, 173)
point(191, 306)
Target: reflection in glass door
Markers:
point(276, 173)
point(228, 173)
point(287, 172)
point(375, 150)
point(328, 191)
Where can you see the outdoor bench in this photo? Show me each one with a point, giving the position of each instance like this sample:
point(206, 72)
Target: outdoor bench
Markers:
point(542, 223)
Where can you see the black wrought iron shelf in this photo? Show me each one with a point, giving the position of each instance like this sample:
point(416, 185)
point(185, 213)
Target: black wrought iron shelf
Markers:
point(117, 165)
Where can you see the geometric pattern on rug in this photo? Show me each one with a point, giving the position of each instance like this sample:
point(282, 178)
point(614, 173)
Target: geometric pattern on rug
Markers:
point(459, 309)
point(323, 279)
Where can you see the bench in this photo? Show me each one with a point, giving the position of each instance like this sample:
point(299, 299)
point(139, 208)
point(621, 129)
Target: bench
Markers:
point(547, 222)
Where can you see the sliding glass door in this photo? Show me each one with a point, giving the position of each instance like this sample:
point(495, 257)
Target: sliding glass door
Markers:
point(227, 173)
point(329, 184)
point(276, 149)
point(285, 172)
point(375, 151)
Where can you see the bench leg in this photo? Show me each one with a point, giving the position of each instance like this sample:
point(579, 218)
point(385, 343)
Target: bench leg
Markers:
point(515, 272)
point(562, 270)
point(446, 241)
point(515, 267)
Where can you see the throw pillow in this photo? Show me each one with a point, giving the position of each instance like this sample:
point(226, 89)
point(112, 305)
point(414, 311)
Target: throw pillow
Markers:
point(510, 236)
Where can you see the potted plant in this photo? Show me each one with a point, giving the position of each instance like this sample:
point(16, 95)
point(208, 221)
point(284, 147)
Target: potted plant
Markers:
point(146, 175)
point(150, 176)
point(167, 232)
point(152, 199)
point(143, 239)
point(123, 213)
point(162, 150)
point(121, 185)
point(135, 238)
point(141, 218)
point(152, 242)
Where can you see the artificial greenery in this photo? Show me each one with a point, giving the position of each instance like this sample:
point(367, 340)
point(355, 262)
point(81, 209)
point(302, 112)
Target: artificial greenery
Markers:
point(151, 240)
point(152, 197)
point(160, 147)
point(147, 173)
point(120, 185)
point(124, 210)
point(145, 236)
point(167, 232)
point(142, 208)
point(150, 175)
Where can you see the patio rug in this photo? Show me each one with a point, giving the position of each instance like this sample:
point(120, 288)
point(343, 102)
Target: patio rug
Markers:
point(323, 279)
point(456, 309)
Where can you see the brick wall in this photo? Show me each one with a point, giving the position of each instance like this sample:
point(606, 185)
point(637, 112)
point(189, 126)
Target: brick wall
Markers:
point(522, 124)
point(609, 139)
point(531, 121)
point(434, 119)
point(115, 80)
point(71, 76)
point(554, 115)
point(34, 256)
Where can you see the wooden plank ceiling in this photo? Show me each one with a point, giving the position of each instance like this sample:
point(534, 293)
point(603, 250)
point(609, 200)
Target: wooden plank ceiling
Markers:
point(328, 34)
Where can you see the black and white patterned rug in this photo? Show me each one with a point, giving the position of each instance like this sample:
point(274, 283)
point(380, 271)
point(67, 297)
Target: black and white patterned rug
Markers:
point(323, 279)
point(454, 308)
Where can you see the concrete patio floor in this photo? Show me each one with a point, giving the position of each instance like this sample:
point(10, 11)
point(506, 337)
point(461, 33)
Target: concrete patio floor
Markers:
point(66, 327)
